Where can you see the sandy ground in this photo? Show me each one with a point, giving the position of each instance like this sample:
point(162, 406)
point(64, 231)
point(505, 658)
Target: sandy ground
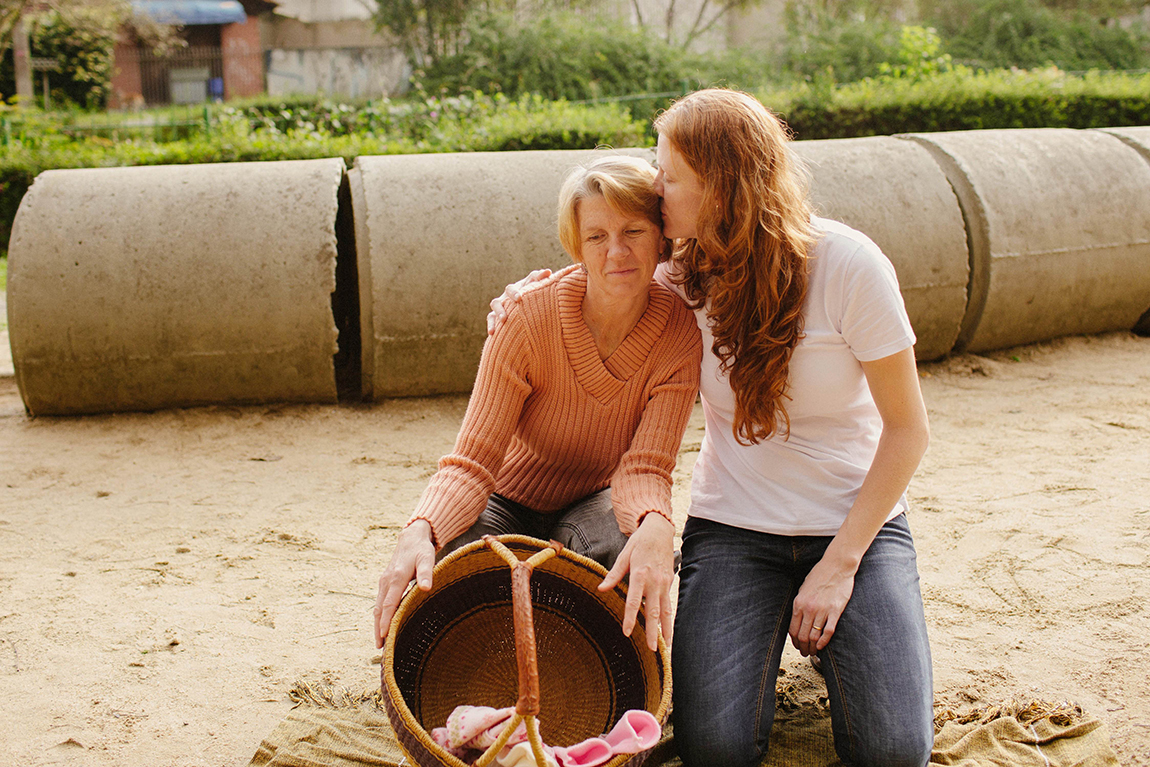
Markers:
point(166, 577)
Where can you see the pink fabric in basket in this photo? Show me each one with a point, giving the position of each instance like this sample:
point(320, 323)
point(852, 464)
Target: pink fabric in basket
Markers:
point(475, 728)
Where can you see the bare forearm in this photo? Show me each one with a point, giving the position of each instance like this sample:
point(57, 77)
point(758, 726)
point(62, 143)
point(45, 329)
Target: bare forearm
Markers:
point(824, 594)
point(899, 452)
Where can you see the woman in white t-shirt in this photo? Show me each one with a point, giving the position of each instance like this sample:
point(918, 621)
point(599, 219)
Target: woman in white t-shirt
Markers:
point(814, 425)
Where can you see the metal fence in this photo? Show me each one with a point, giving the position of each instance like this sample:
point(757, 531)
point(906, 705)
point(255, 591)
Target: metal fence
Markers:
point(184, 76)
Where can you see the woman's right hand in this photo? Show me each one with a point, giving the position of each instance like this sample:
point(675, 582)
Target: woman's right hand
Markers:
point(649, 559)
point(511, 294)
point(414, 558)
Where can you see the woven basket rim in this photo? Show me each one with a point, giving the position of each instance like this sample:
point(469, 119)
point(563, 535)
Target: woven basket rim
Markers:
point(391, 687)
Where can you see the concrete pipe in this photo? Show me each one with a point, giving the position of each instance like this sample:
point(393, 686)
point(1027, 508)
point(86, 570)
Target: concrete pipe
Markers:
point(895, 193)
point(151, 287)
point(1059, 232)
point(437, 237)
point(1137, 137)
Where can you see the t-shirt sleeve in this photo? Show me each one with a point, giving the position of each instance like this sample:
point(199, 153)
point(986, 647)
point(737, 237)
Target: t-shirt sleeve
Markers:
point(874, 322)
point(458, 492)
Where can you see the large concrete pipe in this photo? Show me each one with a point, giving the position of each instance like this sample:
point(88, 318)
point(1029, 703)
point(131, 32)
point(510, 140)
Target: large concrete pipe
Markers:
point(151, 287)
point(895, 193)
point(1137, 137)
point(1059, 232)
point(437, 237)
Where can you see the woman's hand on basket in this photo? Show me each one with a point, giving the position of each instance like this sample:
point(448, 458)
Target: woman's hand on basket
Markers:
point(649, 557)
point(510, 295)
point(414, 558)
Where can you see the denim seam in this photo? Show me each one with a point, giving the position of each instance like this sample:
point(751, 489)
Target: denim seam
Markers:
point(833, 668)
point(775, 637)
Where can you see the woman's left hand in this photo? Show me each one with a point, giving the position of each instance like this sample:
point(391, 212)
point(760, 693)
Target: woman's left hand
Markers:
point(821, 600)
point(649, 556)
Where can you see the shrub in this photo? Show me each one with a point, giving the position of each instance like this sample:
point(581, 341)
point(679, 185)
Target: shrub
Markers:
point(1025, 33)
point(559, 56)
point(964, 100)
point(919, 55)
point(839, 50)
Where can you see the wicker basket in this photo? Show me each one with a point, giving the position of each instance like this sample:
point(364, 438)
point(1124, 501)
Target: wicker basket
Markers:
point(551, 645)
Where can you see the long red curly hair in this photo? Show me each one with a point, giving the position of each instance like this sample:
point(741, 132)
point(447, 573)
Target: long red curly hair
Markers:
point(749, 258)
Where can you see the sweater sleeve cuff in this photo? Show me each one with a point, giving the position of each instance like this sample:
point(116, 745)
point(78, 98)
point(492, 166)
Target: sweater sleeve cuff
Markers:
point(661, 512)
point(434, 536)
point(630, 508)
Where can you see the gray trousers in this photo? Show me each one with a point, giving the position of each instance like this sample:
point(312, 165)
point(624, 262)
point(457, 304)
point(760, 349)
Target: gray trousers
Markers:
point(587, 526)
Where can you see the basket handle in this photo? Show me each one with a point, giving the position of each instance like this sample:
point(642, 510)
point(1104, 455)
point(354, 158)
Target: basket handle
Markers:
point(527, 707)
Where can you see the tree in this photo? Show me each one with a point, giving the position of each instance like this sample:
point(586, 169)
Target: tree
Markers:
point(80, 36)
point(428, 30)
point(10, 11)
point(708, 13)
point(13, 32)
point(840, 41)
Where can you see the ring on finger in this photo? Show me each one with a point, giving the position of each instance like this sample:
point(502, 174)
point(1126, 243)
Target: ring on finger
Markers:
point(816, 628)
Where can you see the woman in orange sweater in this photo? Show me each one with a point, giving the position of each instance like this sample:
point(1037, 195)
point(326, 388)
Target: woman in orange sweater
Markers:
point(578, 408)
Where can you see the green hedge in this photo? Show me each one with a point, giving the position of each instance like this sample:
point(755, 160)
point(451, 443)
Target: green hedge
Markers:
point(450, 125)
point(960, 99)
point(964, 100)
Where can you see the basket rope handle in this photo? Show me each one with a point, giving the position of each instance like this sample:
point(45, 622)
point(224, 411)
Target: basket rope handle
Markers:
point(527, 707)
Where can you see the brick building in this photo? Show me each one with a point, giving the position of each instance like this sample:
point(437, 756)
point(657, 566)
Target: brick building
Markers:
point(223, 58)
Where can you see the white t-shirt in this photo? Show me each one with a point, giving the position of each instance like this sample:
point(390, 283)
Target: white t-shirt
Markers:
point(806, 484)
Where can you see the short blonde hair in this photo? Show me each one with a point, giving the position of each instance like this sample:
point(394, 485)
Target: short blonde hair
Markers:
point(626, 183)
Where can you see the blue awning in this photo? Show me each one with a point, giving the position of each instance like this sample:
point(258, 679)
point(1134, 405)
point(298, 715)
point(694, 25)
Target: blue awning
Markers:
point(192, 12)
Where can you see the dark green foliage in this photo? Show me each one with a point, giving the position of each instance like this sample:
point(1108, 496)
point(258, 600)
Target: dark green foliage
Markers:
point(1027, 34)
point(80, 39)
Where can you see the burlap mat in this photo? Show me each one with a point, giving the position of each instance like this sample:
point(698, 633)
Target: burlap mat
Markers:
point(332, 728)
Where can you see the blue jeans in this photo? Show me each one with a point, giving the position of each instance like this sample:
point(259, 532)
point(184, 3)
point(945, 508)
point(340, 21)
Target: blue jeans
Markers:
point(735, 596)
point(587, 526)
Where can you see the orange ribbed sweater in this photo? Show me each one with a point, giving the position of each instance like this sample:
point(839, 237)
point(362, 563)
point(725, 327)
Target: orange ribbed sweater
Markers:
point(549, 422)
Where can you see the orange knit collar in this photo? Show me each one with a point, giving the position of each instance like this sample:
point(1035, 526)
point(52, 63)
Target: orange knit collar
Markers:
point(604, 379)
